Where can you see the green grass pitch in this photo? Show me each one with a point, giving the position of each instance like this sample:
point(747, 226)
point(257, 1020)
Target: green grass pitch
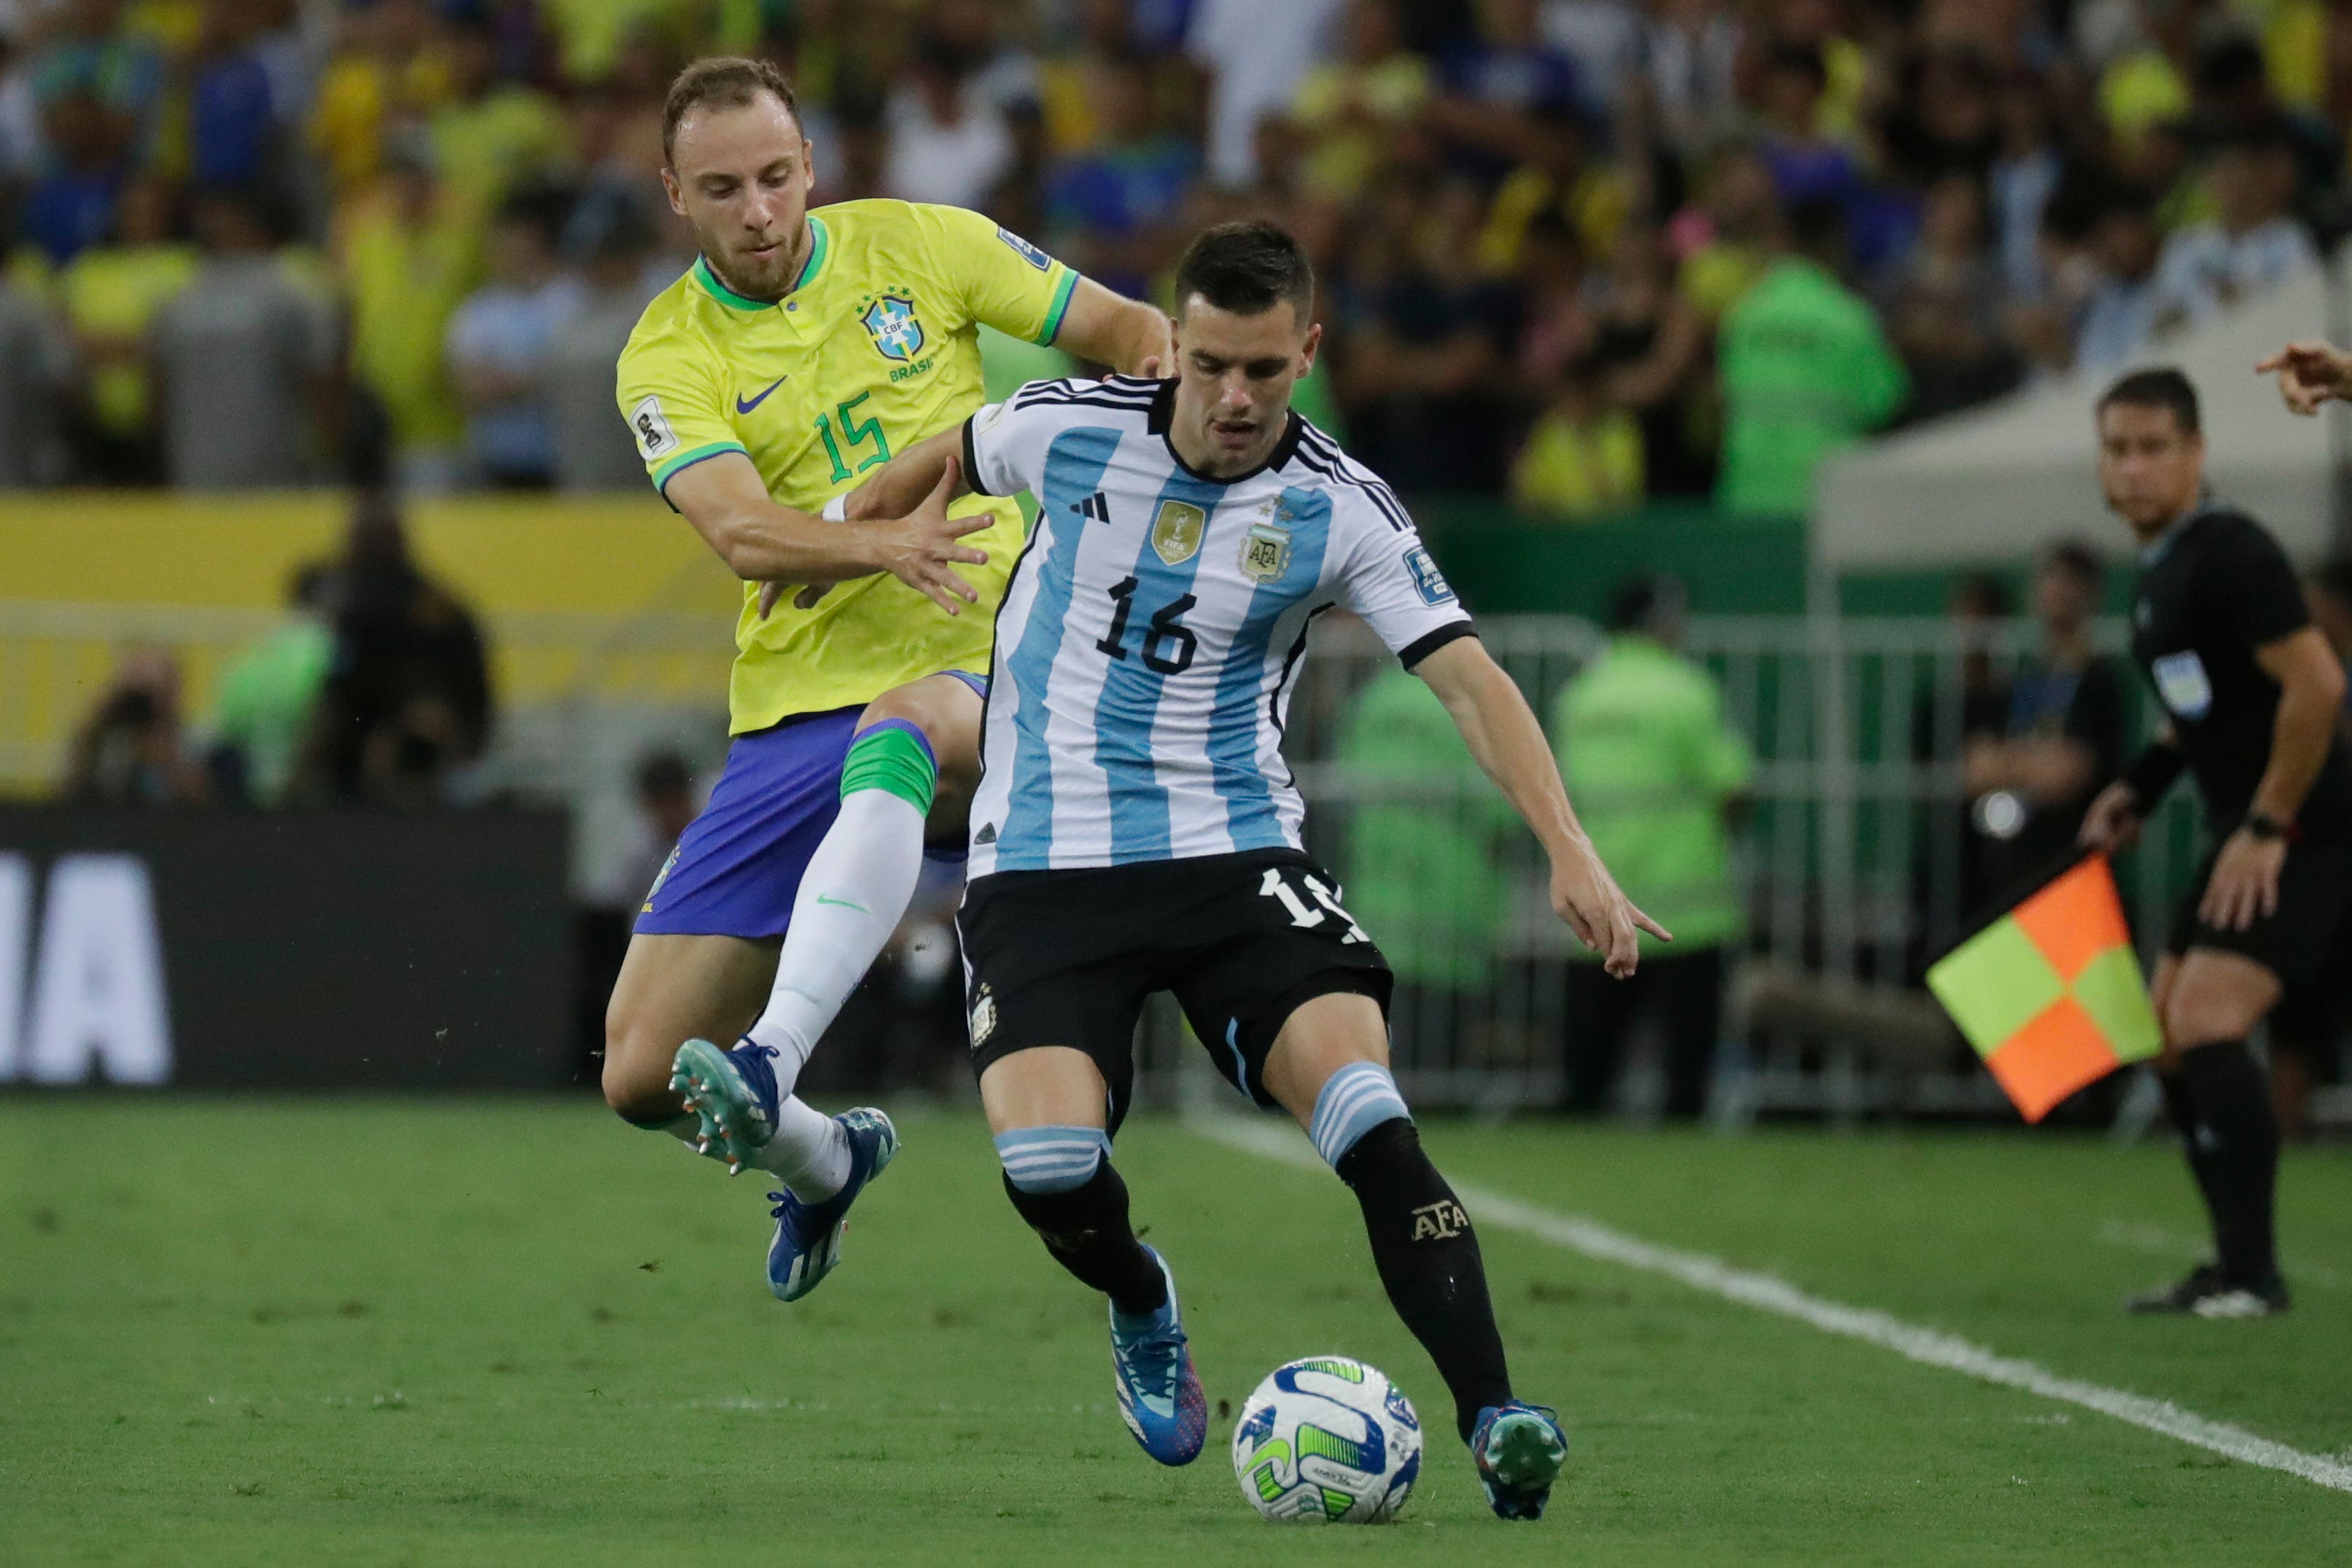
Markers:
point(517, 1333)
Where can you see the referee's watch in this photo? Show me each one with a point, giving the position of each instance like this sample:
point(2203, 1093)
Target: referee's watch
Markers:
point(2262, 825)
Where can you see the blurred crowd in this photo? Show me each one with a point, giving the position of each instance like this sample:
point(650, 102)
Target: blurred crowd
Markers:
point(1578, 251)
point(374, 690)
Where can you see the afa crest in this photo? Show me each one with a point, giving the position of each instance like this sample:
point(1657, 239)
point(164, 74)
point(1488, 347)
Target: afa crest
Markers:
point(890, 321)
point(1176, 531)
point(1266, 553)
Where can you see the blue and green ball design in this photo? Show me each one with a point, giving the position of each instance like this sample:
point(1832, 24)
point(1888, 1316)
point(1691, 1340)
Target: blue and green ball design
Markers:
point(1327, 1440)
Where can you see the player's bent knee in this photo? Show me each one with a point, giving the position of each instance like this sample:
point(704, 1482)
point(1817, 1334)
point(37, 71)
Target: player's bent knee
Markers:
point(1052, 1159)
point(635, 1079)
point(892, 755)
point(1354, 1100)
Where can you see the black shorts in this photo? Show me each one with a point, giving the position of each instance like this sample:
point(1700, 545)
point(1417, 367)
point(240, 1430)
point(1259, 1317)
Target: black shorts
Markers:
point(1066, 957)
point(2294, 943)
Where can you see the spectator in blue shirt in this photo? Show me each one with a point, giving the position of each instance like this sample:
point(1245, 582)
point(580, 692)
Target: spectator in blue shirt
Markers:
point(232, 109)
point(1505, 96)
point(501, 341)
point(1113, 205)
point(72, 207)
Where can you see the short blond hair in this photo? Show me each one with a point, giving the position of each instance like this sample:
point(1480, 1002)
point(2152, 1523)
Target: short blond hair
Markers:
point(724, 82)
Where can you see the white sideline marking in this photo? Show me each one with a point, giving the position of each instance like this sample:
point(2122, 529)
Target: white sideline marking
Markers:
point(1930, 1347)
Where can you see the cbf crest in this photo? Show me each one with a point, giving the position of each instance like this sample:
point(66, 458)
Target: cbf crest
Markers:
point(889, 321)
point(1177, 531)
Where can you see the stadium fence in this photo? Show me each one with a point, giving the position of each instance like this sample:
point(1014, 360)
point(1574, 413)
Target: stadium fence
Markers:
point(1848, 864)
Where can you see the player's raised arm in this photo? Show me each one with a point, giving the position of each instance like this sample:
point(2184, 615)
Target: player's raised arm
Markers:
point(1024, 293)
point(1127, 335)
point(761, 539)
point(1501, 731)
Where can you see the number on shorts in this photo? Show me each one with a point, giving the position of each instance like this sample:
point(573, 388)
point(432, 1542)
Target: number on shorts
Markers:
point(1302, 916)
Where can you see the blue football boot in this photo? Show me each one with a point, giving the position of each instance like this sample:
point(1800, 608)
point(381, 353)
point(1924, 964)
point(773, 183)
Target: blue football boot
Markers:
point(733, 1094)
point(1159, 1393)
point(1519, 1449)
point(808, 1235)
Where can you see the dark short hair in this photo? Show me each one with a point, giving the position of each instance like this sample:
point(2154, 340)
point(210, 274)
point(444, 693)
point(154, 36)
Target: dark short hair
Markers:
point(1637, 603)
point(2163, 386)
point(2077, 560)
point(1817, 226)
point(724, 82)
point(1247, 268)
point(2333, 577)
point(1803, 59)
point(663, 773)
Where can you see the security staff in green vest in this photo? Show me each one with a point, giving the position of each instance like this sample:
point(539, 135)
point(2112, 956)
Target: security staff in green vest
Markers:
point(1660, 780)
point(1423, 862)
point(1805, 370)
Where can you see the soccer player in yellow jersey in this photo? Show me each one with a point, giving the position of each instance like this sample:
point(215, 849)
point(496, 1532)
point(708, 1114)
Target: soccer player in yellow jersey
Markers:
point(802, 349)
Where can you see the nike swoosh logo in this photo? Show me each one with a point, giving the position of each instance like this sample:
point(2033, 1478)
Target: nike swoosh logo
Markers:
point(742, 407)
point(843, 903)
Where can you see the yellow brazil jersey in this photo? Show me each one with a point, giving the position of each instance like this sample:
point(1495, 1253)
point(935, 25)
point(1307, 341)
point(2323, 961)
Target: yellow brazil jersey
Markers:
point(876, 347)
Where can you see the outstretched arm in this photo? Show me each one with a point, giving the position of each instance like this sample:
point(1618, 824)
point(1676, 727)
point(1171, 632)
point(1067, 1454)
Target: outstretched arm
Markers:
point(899, 486)
point(897, 489)
point(2310, 372)
point(759, 540)
point(1488, 707)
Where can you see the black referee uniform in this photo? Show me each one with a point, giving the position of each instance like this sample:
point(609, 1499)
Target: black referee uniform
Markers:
point(2213, 590)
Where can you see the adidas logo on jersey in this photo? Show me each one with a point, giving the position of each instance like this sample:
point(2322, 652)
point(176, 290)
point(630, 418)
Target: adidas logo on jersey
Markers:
point(1096, 506)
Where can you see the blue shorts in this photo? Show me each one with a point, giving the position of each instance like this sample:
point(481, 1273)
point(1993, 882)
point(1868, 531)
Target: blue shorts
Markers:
point(738, 867)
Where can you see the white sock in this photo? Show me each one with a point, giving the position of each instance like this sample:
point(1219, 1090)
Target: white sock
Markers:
point(810, 1151)
point(858, 885)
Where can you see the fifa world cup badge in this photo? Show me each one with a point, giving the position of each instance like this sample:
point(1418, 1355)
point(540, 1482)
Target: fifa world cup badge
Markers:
point(1176, 532)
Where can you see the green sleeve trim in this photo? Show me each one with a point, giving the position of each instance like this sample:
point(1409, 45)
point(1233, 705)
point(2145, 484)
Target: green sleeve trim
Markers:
point(1056, 311)
point(892, 758)
point(663, 475)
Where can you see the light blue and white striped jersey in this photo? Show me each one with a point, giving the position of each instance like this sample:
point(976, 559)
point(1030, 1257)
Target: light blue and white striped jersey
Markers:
point(1149, 640)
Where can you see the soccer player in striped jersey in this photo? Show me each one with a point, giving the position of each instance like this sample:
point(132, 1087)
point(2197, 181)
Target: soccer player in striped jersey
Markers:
point(803, 347)
point(1135, 829)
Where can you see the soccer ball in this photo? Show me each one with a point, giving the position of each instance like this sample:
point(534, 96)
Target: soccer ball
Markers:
point(1327, 1440)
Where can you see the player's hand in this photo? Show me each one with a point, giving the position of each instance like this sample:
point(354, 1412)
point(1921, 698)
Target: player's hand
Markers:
point(2112, 824)
point(1585, 896)
point(2244, 884)
point(2310, 372)
point(922, 550)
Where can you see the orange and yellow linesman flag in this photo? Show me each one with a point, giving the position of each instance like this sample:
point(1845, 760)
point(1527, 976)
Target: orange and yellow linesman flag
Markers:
point(2050, 993)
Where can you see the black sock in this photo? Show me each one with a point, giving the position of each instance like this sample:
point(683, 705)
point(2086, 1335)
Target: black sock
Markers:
point(2239, 1134)
point(1429, 1263)
point(2180, 1104)
point(1086, 1231)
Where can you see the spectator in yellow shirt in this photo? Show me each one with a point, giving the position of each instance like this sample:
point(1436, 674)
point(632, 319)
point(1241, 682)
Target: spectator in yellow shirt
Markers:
point(1583, 458)
point(408, 254)
point(110, 295)
point(1348, 107)
point(389, 70)
point(491, 135)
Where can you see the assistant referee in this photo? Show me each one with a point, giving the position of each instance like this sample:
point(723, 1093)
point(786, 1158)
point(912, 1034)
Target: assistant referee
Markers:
point(2221, 629)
